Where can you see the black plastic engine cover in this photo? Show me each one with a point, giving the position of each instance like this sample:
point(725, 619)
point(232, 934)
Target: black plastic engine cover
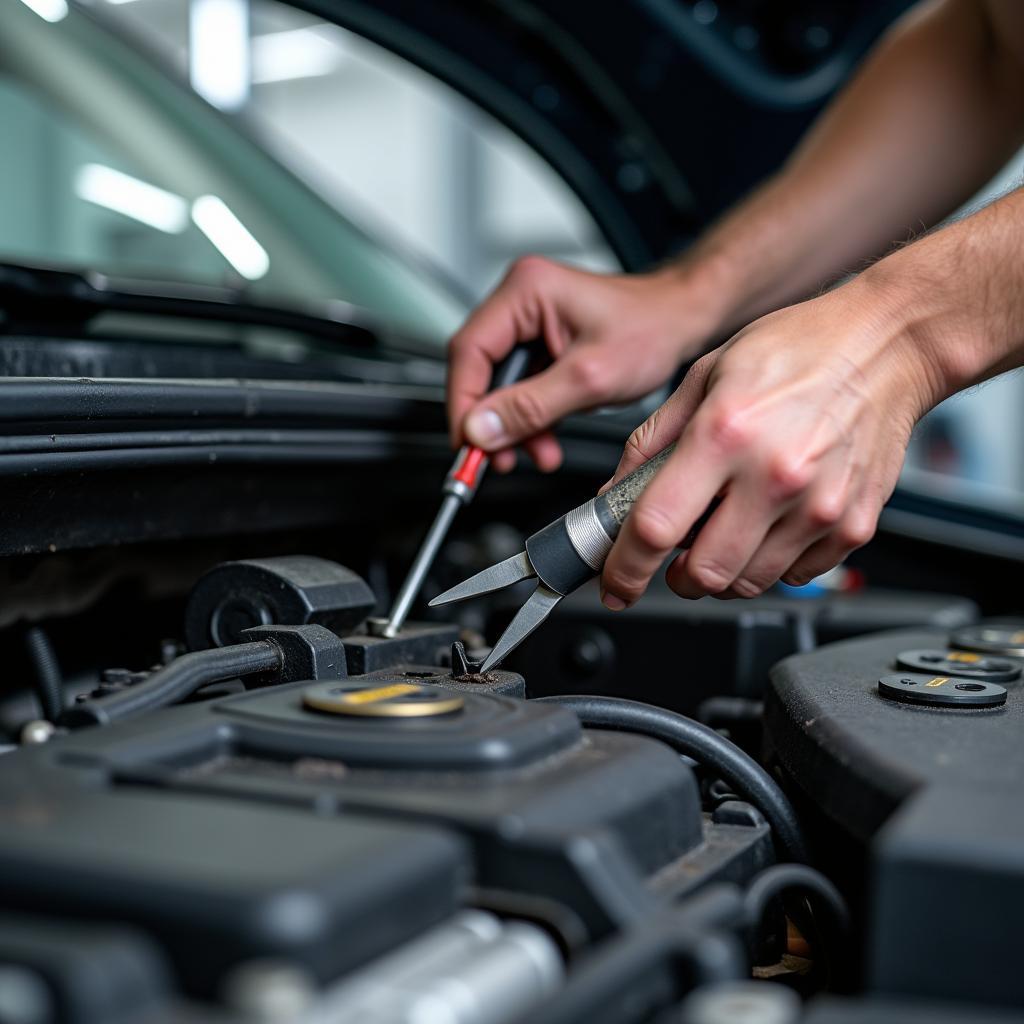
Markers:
point(936, 793)
point(579, 818)
point(220, 882)
point(859, 756)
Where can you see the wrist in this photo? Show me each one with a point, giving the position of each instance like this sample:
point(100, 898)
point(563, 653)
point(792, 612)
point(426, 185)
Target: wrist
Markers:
point(695, 295)
point(927, 361)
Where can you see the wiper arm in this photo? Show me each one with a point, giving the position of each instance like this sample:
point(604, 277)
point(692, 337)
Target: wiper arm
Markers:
point(34, 298)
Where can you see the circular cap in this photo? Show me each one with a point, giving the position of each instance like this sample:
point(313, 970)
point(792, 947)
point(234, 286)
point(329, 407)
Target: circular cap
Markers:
point(941, 691)
point(390, 700)
point(966, 664)
point(991, 638)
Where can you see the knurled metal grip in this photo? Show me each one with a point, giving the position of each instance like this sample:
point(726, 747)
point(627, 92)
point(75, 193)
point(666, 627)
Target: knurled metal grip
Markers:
point(614, 505)
point(573, 549)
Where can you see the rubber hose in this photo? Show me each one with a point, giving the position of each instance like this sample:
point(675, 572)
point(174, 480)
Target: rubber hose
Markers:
point(49, 678)
point(817, 891)
point(705, 746)
point(176, 681)
point(773, 881)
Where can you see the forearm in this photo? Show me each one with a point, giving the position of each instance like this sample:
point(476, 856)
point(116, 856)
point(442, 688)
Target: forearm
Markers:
point(933, 114)
point(953, 303)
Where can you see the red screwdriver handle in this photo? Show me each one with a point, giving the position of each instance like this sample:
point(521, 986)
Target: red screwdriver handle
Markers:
point(471, 462)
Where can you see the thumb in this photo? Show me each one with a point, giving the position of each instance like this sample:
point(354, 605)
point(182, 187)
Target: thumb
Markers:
point(513, 414)
point(666, 423)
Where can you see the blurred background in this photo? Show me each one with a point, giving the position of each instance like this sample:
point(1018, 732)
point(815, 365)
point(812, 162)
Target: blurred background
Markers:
point(432, 180)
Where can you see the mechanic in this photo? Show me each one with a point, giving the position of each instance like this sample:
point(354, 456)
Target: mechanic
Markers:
point(802, 418)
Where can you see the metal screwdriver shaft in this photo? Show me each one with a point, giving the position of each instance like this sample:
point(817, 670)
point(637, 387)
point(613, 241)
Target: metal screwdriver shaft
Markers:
point(421, 564)
point(460, 486)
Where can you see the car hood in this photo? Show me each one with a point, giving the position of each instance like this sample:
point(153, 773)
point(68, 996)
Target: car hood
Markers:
point(658, 113)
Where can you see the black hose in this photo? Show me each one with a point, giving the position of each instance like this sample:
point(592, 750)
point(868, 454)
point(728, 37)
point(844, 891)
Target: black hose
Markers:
point(694, 941)
point(49, 678)
point(820, 893)
point(773, 881)
point(176, 681)
point(705, 746)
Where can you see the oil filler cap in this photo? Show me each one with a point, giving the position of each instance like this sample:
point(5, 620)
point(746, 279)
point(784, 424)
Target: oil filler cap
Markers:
point(967, 664)
point(941, 691)
point(391, 700)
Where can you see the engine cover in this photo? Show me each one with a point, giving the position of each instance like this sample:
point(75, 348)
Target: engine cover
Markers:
point(935, 791)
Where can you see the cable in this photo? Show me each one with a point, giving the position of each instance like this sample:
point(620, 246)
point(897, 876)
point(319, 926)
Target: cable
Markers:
point(49, 678)
point(773, 881)
point(707, 747)
point(177, 681)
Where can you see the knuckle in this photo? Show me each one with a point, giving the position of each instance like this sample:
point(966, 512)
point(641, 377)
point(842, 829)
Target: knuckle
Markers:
point(825, 512)
point(855, 533)
point(590, 375)
point(527, 411)
point(653, 527)
point(639, 442)
point(530, 269)
point(787, 476)
point(728, 427)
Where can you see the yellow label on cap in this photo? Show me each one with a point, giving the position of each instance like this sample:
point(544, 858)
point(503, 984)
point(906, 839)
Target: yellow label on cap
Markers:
point(963, 656)
point(938, 681)
point(379, 694)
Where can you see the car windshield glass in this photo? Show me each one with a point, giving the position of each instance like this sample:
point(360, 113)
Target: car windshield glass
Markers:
point(134, 162)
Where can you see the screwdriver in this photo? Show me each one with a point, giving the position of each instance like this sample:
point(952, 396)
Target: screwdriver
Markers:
point(459, 487)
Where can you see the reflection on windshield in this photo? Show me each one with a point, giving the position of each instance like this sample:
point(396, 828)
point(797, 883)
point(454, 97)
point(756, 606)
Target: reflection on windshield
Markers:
point(111, 165)
point(113, 190)
point(164, 211)
point(49, 10)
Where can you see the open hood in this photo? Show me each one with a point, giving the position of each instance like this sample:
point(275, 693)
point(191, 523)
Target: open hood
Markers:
point(658, 113)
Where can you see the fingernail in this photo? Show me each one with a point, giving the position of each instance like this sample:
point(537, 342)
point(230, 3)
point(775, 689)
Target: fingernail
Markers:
point(612, 603)
point(485, 428)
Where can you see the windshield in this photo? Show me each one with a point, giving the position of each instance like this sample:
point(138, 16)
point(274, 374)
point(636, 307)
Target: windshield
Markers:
point(120, 169)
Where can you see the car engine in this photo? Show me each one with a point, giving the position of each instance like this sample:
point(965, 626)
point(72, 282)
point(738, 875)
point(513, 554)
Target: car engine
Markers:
point(294, 818)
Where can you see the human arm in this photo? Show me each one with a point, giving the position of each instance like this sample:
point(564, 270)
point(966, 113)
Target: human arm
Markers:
point(934, 111)
point(800, 422)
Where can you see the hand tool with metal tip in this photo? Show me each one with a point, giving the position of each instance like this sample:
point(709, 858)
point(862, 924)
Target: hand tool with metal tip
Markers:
point(460, 486)
point(562, 556)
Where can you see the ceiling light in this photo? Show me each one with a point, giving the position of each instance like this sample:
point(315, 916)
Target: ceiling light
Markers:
point(295, 53)
point(219, 51)
point(131, 197)
point(230, 237)
point(50, 10)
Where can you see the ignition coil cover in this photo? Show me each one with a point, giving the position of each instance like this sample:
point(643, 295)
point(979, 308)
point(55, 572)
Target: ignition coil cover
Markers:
point(941, 691)
point(966, 664)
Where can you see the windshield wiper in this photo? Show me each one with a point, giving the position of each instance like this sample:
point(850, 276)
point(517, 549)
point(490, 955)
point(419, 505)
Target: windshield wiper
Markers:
point(38, 299)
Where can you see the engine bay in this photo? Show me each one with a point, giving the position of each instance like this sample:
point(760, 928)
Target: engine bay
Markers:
point(294, 818)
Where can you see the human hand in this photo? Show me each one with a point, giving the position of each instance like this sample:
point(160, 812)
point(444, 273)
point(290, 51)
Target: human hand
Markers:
point(799, 423)
point(613, 338)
